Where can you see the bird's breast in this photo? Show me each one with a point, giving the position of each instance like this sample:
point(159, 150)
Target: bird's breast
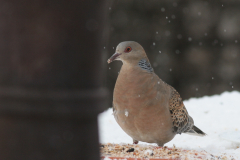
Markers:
point(135, 89)
point(141, 106)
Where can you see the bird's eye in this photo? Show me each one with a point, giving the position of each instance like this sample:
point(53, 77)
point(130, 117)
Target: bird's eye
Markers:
point(128, 49)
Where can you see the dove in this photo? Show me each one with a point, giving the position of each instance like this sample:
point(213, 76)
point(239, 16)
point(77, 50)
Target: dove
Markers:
point(144, 106)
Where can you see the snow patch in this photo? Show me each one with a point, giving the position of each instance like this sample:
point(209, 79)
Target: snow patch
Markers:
point(214, 115)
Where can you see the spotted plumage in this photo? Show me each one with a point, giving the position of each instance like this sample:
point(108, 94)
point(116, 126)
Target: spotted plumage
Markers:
point(182, 122)
point(145, 65)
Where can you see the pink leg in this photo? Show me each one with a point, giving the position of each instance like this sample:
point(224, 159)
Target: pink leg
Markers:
point(135, 141)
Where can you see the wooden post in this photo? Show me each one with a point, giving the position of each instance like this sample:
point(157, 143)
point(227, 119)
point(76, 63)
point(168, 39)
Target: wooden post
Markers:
point(50, 79)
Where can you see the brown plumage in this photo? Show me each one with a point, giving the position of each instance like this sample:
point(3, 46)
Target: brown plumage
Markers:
point(145, 107)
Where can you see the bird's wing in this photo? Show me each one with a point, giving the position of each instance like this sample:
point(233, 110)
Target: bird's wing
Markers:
point(182, 122)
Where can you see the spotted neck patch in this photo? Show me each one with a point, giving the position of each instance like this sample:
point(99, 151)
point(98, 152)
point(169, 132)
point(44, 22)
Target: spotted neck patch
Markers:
point(145, 65)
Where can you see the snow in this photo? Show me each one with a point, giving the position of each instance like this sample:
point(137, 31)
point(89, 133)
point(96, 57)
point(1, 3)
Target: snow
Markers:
point(218, 116)
point(148, 151)
point(126, 113)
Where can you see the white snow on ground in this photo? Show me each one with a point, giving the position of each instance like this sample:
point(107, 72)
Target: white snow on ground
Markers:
point(214, 115)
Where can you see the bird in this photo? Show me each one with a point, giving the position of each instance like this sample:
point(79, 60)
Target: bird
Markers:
point(144, 106)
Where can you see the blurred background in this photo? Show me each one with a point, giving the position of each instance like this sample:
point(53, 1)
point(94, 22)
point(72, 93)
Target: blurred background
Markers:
point(192, 45)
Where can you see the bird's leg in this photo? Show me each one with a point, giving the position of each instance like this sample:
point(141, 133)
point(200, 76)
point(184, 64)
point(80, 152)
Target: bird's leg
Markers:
point(160, 144)
point(135, 141)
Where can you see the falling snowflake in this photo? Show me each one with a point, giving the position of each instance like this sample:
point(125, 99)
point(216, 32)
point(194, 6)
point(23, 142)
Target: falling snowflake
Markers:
point(126, 113)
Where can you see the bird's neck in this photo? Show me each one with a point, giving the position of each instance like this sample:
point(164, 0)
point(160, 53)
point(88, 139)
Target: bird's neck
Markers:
point(145, 65)
point(142, 64)
point(128, 71)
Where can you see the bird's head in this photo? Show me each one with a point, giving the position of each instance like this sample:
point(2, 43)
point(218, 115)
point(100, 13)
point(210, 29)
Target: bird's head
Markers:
point(128, 52)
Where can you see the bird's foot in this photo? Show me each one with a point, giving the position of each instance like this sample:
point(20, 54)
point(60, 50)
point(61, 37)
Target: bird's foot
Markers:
point(135, 142)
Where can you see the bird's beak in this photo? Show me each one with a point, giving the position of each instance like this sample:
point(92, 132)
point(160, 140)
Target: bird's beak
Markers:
point(114, 57)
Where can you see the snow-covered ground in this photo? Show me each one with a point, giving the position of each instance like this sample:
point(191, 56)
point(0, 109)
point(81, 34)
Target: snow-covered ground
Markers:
point(218, 116)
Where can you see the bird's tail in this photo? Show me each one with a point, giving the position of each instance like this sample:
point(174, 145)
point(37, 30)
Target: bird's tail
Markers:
point(196, 132)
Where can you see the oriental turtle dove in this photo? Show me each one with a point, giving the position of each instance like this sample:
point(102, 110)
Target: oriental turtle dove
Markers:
point(144, 106)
